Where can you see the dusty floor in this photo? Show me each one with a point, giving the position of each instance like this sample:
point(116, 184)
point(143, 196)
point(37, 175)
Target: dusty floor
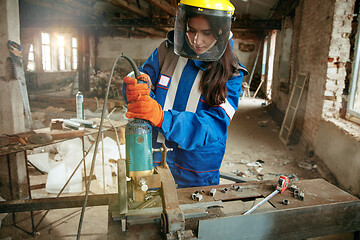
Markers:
point(253, 137)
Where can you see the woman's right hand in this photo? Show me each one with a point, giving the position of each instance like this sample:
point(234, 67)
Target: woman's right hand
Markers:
point(135, 88)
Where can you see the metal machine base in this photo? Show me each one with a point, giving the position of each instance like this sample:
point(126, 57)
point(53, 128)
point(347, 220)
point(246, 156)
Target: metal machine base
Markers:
point(324, 210)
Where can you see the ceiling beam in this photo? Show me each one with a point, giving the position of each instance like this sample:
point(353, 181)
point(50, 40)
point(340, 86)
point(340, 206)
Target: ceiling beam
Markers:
point(284, 8)
point(68, 8)
point(86, 8)
point(142, 23)
point(256, 24)
point(152, 32)
point(163, 5)
point(131, 8)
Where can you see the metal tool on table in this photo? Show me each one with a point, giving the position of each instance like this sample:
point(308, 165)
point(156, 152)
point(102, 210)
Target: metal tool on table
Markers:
point(281, 186)
point(139, 160)
point(141, 176)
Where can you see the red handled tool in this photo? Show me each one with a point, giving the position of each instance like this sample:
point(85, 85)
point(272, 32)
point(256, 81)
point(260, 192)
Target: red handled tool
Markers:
point(281, 186)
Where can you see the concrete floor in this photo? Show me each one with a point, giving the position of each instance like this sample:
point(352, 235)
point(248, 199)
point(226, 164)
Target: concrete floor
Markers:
point(252, 136)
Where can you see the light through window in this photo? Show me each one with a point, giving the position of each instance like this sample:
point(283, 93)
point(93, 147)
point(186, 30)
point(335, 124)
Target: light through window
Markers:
point(31, 59)
point(46, 53)
point(61, 52)
point(74, 52)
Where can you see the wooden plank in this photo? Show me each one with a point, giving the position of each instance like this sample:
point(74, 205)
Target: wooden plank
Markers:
point(54, 203)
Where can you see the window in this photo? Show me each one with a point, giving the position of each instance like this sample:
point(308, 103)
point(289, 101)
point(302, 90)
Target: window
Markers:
point(271, 64)
point(61, 53)
point(46, 54)
point(354, 100)
point(74, 59)
point(31, 59)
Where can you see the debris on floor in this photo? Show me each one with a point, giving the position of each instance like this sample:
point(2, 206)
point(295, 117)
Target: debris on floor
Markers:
point(305, 165)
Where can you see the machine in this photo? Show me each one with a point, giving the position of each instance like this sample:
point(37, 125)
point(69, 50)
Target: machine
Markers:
point(149, 206)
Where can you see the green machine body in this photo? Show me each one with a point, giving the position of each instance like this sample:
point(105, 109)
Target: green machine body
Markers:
point(139, 157)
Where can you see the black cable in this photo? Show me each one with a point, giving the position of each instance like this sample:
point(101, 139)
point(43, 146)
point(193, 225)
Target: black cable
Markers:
point(137, 73)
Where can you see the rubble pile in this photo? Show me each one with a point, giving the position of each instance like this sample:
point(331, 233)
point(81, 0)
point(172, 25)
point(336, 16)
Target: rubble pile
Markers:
point(99, 81)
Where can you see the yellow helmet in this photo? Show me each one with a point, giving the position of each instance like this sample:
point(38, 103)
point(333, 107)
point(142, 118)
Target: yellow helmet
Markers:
point(222, 5)
point(192, 43)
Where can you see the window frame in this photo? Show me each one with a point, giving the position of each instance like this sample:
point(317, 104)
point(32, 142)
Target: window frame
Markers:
point(61, 56)
point(31, 62)
point(43, 57)
point(355, 79)
point(73, 59)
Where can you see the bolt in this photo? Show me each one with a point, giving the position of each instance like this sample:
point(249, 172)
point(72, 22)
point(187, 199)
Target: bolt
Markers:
point(224, 190)
point(142, 183)
point(196, 196)
point(212, 192)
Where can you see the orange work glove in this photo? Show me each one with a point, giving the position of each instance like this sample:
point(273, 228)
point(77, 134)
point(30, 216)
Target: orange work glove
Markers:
point(146, 108)
point(134, 89)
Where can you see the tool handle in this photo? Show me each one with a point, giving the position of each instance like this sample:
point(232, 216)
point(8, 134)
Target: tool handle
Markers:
point(133, 65)
point(262, 202)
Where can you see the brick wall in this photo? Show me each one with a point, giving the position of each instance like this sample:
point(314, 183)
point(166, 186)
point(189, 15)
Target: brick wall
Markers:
point(339, 50)
point(311, 57)
point(320, 47)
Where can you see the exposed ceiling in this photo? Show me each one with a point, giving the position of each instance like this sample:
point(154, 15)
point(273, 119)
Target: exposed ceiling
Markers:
point(141, 17)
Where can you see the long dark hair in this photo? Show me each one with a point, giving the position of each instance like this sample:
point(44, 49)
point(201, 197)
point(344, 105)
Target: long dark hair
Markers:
point(215, 77)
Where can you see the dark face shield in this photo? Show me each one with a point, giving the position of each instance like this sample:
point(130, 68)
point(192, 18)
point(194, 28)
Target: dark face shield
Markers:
point(201, 34)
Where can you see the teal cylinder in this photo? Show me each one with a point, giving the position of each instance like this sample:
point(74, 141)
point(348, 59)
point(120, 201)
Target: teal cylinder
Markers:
point(138, 136)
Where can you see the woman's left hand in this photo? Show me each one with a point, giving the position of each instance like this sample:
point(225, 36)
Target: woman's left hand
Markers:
point(146, 108)
point(135, 88)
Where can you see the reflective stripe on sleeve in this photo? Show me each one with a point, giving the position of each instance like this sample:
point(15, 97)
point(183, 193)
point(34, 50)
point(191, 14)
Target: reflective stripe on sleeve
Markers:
point(230, 111)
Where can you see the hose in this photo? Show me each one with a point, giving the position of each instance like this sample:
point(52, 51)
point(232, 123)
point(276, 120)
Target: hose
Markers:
point(137, 74)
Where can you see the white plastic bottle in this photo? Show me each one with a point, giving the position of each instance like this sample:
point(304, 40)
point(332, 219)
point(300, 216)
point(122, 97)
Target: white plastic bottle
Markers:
point(79, 105)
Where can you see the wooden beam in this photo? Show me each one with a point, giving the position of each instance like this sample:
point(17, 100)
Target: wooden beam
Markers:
point(256, 24)
point(152, 31)
point(126, 6)
point(55, 203)
point(163, 5)
point(86, 8)
point(67, 8)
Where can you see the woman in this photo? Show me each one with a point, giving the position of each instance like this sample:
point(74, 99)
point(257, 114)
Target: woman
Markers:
point(195, 87)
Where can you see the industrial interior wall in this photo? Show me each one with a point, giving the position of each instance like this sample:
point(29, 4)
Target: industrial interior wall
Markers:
point(320, 47)
point(313, 41)
point(309, 32)
point(53, 77)
point(109, 48)
point(281, 80)
point(338, 140)
point(245, 49)
point(340, 151)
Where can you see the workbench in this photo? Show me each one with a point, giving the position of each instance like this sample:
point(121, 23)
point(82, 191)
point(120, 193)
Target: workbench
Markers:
point(58, 136)
point(8, 155)
point(325, 210)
